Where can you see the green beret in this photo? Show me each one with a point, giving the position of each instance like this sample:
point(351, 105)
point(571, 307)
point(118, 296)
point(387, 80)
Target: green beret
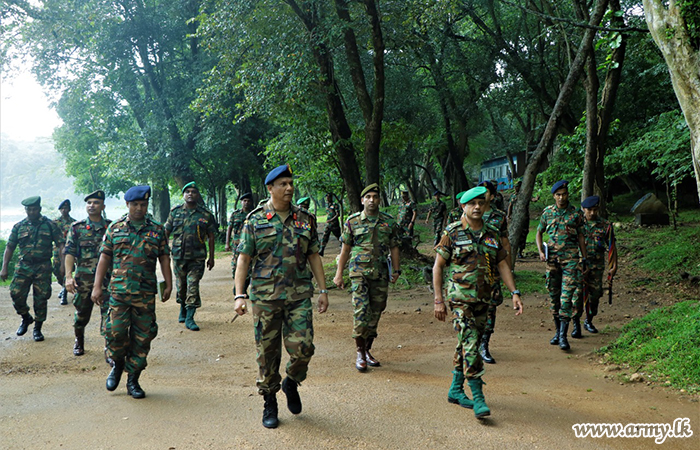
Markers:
point(473, 193)
point(32, 201)
point(98, 194)
point(303, 200)
point(191, 184)
point(372, 187)
point(458, 196)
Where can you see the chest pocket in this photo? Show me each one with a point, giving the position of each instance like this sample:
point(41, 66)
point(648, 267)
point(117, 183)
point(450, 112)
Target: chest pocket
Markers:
point(88, 247)
point(303, 238)
point(363, 236)
point(150, 246)
point(266, 239)
point(24, 236)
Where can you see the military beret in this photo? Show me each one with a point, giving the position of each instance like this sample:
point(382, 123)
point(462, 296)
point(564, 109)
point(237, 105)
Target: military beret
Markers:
point(191, 184)
point(98, 194)
point(590, 202)
point(490, 186)
point(473, 193)
point(404, 190)
point(303, 200)
point(137, 193)
point(436, 192)
point(374, 187)
point(560, 184)
point(32, 201)
point(281, 171)
point(459, 196)
point(247, 195)
point(65, 202)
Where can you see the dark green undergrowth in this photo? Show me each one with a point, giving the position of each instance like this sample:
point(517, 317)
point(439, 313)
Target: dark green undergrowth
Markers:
point(11, 266)
point(664, 345)
point(528, 282)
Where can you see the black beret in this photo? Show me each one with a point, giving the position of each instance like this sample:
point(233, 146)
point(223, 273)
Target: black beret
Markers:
point(590, 202)
point(247, 195)
point(560, 184)
point(65, 202)
point(98, 194)
point(32, 201)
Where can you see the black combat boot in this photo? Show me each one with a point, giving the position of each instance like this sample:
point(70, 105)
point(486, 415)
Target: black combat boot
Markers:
point(361, 361)
point(38, 337)
point(27, 320)
point(484, 349)
point(576, 331)
point(269, 419)
point(63, 296)
point(183, 313)
point(115, 375)
point(563, 329)
point(79, 347)
point(189, 320)
point(133, 387)
point(320, 252)
point(557, 325)
point(588, 324)
point(289, 387)
point(371, 360)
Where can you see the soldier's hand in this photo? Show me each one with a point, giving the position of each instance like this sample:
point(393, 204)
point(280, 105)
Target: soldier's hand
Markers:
point(338, 280)
point(227, 248)
point(166, 293)
point(210, 263)
point(3, 275)
point(322, 303)
point(71, 285)
point(394, 277)
point(543, 258)
point(96, 296)
point(239, 306)
point(440, 310)
point(517, 305)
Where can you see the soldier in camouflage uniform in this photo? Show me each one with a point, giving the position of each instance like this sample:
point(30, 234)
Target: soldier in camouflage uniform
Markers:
point(600, 239)
point(456, 212)
point(279, 240)
point(192, 227)
point(369, 237)
point(64, 222)
point(406, 216)
point(34, 236)
point(472, 253)
point(82, 253)
point(332, 222)
point(131, 247)
point(438, 210)
point(564, 225)
point(233, 233)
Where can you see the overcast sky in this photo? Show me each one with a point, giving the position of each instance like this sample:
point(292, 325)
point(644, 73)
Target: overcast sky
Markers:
point(24, 109)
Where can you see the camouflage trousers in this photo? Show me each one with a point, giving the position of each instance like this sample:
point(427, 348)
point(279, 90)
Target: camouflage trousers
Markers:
point(496, 300)
point(56, 267)
point(234, 263)
point(563, 279)
point(369, 298)
point(36, 276)
point(277, 321)
point(469, 321)
point(188, 272)
point(591, 290)
point(332, 227)
point(129, 329)
point(437, 230)
point(83, 308)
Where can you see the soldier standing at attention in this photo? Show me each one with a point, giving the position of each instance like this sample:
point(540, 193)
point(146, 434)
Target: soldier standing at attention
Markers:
point(64, 222)
point(34, 237)
point(407, 213)
point(564, 225)
point(457, 211)
point(192, 227)
point(280, 241)
point(368, 238)
point(82, 253)
point(131, 247)
point(600, 239)
point(332, 222)
point(233, 232)
point(438, 210)
point(472, 253)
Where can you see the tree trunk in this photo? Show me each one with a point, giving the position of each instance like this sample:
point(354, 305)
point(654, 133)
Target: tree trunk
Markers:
point(671, 36)
point(160, 203)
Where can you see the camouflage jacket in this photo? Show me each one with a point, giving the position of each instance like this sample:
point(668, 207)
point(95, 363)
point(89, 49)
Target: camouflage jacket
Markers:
point(134, 250)
point(405, 214)
point(563, 227)
point(236, 220)
point(370, 239)
point(496, 219)
point(279, 252)
point(332, 214)
point(83, 243)
point(499, 202)
point(438, 210)
point(64, 226)
point(189, 229)
point(598, 234)
point(472, 259)
point(35, 240)
point(454, 215)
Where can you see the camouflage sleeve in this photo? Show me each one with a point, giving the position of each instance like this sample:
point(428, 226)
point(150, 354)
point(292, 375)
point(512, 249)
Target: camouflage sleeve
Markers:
point(314, 246)
point(57, 234)
point(212, 224)
point(395, 235)
point(346, 237)
point(163, 247)
point(70, 243)
point(169, 223)
point(579, 222)
point(501, 254)
point(13, 239)
point(107, 246)
point(444, 247)
point(542, 226)
point(504, 227)
point(247, 242)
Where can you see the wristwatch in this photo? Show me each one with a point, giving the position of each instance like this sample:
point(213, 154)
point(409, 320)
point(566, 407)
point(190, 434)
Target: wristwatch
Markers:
point(515, 292)
point(240, 296)
point(323, 291)
point(397, 271)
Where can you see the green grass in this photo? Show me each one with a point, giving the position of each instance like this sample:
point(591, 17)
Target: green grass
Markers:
point(529, 282)
point(664, 345)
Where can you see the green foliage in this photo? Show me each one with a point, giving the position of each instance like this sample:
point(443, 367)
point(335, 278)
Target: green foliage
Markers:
point(11, 265)
point(664, 345)
point(690, 12)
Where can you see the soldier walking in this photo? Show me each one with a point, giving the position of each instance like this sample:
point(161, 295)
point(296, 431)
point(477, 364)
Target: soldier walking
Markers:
point(131, 247)
point(407, 214)
point(280, 242)
point(233, 233)
point(438, 210)
point(471, 251)
point(332, 222)
point(64, 222)
point(82, 254)
point(564, 226)
point(369, 237)
point(34, 236)
point(192, 227)
point(456, 212)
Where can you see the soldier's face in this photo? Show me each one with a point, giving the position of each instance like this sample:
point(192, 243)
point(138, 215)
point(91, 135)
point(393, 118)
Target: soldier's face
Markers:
point(137, 209)
point(65, 210)
point(591, 213)
point(371, 202)
point(561, 197)
point(94, 207)
point(191, 195)
point(404, 196)
point(246, 203)
point(33, 212)
point(474, 209)
point(282, 189)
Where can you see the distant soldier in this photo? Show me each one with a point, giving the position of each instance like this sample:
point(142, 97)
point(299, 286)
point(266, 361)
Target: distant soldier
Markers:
point(472, 253)
point(192, 227)
point(456, 213)
point(564, 225)
point(64, 222)
point(304, 202)
point(600, 242)
point(131, 247)
point(280, 241)
point(369, 237)
point(233, 232)
point(332, 222)
point(82, 254)
point(498, 200)
point(34, 236)
point(438, 210)
point(407, 213)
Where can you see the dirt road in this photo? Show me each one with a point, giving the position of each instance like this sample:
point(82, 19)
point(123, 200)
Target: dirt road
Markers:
point(201, 385)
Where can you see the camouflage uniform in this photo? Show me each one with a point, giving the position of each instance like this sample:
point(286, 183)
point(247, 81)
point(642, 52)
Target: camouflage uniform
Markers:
point(472, 277)
point(131, 320)
point(437, 210)
point(83, 243)
point(405, 214)
point(598, 234)
point(34, 241)
point(236, 220)
point(455, 214)
point(189, 229)
point(281, 290)
point(371, 239)
point(496, 219)
point(332, 223)
point(563, 273)
point(64, 226)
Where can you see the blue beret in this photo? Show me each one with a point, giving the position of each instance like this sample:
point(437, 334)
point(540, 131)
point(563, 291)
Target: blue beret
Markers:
point(247, 195)
point(560, 184)
point(590, 202)
point(281, 171)
point(191, 184)
point(32, 201)
point(65, 202)
point(473, 193)
point(98, 194)
point(488, 185)
point(137, 193)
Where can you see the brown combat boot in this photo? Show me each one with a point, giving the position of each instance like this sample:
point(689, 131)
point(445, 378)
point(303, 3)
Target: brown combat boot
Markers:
point(79, 347)
point(361, 362)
